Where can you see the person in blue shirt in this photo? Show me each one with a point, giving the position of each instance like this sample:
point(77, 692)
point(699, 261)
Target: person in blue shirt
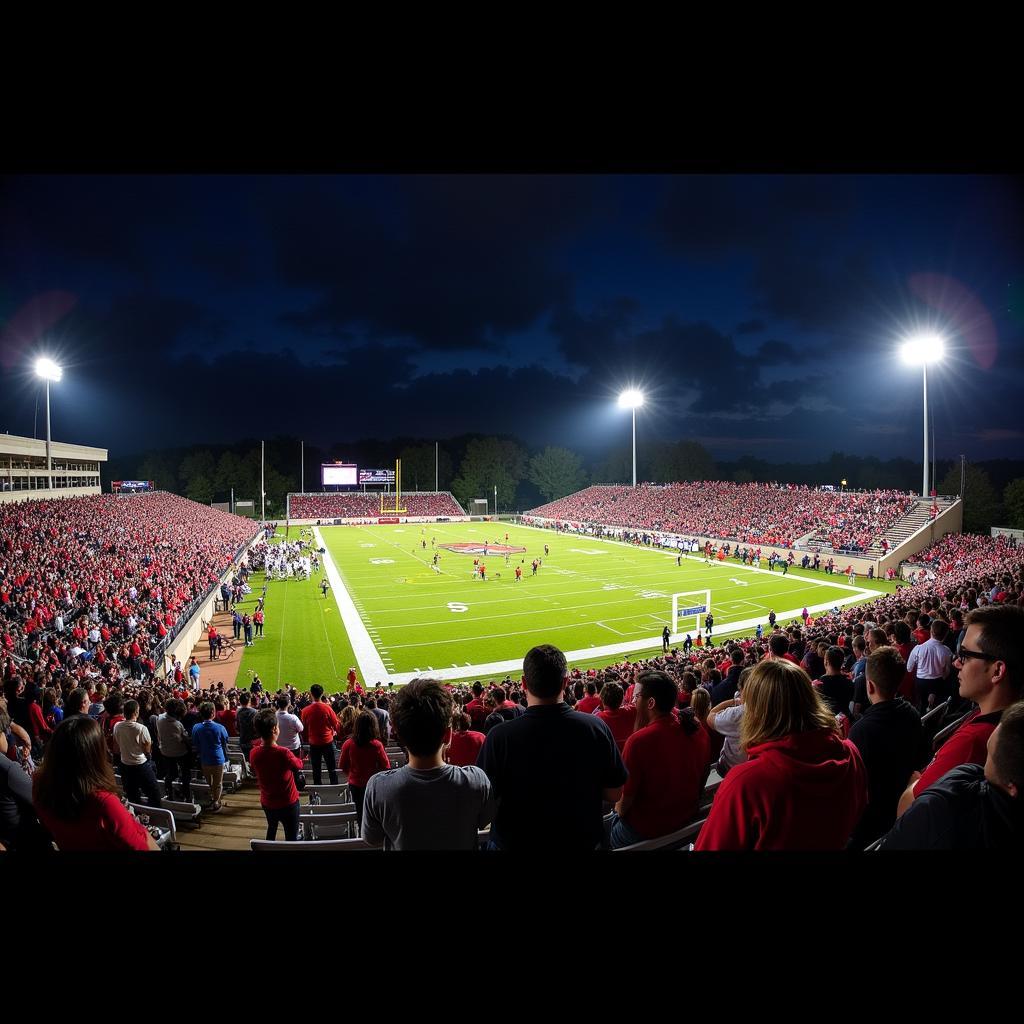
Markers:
point(210, 742)
point(193, 674)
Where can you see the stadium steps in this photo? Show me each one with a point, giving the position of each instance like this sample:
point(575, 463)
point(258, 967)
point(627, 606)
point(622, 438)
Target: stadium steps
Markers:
point(914, 520)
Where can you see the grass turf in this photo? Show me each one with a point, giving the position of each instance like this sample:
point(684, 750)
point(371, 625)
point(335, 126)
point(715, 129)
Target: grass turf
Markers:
point(587, 594)
point(304, 641)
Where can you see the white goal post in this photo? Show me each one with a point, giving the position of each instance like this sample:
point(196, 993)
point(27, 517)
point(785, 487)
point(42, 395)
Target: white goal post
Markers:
point(695, 603)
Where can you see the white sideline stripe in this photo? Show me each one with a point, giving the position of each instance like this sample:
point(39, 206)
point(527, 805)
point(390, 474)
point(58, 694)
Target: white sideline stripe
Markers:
point(589, 653)
point(369, 661)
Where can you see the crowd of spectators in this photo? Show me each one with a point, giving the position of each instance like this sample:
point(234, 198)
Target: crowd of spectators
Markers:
point(834, 707)
point(91, 586)
point(751, 513)
point(974, 552)
point(357, 505)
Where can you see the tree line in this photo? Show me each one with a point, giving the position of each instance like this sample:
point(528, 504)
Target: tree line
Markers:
point(471, 466)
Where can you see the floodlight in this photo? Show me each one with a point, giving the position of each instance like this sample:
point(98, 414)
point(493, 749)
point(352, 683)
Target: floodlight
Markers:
point(48, 369)
point(631, 399)
point(923, 348)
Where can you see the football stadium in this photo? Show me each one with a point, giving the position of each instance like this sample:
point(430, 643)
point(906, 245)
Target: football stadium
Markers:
point(448, 635)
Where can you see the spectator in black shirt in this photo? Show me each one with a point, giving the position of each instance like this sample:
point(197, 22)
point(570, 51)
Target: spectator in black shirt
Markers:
point(835, 687)
point(888, 736)
point(971, 807)
point(726, 689)
point(245, 722)
point(551, 767)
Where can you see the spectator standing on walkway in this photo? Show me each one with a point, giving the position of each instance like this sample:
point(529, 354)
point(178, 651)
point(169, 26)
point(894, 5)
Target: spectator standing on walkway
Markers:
point(320, 725)
point(175, 745)
point(135, 743)
point(362, 756)
point(275, 769)
point(210, 740)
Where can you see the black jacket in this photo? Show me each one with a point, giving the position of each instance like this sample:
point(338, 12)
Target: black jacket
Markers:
point(962, 811)
point(888, 736)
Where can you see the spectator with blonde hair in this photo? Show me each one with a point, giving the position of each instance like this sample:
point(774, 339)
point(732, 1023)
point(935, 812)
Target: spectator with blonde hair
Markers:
point(801, 787)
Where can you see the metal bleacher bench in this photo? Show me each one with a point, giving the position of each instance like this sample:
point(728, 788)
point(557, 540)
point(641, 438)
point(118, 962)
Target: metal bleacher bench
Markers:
point(182, 812)
point(324, 845)
point(161, 818)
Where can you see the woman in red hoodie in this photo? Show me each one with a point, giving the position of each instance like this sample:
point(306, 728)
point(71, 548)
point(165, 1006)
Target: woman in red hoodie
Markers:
point(802, 787)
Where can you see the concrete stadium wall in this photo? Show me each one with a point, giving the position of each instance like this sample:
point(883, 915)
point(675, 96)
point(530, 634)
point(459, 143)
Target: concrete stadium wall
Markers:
point(60, 492)
point(950, 520)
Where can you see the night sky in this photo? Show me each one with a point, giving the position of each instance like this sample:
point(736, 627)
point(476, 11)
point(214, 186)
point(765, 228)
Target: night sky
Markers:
point(761, 314)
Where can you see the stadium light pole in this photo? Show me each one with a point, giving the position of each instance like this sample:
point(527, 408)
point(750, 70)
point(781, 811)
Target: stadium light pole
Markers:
point(632, 399)
point(924, 349)
point(48, 370)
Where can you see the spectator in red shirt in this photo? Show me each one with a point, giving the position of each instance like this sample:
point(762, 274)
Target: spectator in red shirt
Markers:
point(320, 724)
point(466, 742)
point(226, 715)
point(591, 702)
point(475, 708)
point(75, 793)
point(801, 787)
point(619, 717)
point(667, 759)
point(991, 667)
point(362, 756)
point(275, 769)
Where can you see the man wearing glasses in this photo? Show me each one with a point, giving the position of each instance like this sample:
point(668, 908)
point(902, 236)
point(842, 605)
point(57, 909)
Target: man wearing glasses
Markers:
point(991, 663)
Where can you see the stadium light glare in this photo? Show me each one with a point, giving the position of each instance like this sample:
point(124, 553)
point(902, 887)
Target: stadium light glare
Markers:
point(923, 349)
point(632, 399)
point(920, 350)
point(48, 369)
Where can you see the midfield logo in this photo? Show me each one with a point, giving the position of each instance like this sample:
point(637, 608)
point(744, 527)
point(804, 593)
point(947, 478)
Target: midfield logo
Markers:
point(479, 548)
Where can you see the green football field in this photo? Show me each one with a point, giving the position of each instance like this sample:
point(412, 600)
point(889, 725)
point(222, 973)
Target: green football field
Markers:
point(390, 614)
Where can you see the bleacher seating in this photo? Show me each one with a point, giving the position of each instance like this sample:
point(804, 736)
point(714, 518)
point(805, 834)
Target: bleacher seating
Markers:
point(357, 505)
point(747, 513)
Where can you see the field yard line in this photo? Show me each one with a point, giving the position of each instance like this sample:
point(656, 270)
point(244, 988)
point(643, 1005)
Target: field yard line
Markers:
point(367, 657)
point(498, 667)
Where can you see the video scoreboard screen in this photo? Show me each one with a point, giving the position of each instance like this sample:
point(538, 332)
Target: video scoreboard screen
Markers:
point(335, 474)
point(377, 476)
point(131, 486)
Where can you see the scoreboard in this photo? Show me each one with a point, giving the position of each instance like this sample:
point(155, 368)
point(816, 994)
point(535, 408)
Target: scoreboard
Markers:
point(338, 474)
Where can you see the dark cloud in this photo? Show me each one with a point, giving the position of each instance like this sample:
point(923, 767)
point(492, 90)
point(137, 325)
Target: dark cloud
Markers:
point(750, 327)
point(341, 307)
point(452, 263)
point(771, 353)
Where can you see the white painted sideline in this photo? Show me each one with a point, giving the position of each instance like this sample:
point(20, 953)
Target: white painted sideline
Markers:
point(371, 667)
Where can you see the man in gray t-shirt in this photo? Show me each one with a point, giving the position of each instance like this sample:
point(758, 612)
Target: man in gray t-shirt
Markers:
point(427, 805)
